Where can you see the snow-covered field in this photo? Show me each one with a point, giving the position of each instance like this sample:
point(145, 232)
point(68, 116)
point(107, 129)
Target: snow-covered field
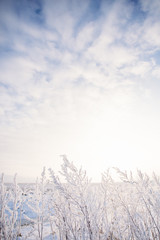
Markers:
point(79, 209)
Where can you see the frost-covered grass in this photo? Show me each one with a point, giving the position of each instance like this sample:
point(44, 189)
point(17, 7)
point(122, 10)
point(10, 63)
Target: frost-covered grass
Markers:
point(80, 210)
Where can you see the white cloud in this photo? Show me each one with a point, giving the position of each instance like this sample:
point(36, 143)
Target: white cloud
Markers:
point(139, 68)
point(152, 34)
point(151, 7)
point(85, 37)
point(156, 72)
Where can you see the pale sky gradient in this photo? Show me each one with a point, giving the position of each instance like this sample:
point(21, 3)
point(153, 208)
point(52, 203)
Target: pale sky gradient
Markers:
point(80, 78)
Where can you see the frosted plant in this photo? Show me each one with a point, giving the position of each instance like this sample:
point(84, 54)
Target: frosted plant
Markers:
point(78, 210)
point(37, 202)
point(140, 207)
point(112, 226)
point(75, 214)
point(11, 200)
point(3, 202)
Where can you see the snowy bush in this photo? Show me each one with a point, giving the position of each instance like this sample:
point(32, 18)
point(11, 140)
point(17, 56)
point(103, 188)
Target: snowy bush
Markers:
point(11, 208)
point(77, 209)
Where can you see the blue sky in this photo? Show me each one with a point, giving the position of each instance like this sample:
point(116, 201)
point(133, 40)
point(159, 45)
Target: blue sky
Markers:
point(80, 78)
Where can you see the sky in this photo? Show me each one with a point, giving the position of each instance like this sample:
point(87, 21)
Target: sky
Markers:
point(80, 78)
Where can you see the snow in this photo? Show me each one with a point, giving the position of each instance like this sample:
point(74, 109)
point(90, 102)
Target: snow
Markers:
point(81, 210)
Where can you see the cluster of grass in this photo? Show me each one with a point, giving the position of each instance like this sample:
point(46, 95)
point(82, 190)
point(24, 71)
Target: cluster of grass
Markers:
point(80, 210)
